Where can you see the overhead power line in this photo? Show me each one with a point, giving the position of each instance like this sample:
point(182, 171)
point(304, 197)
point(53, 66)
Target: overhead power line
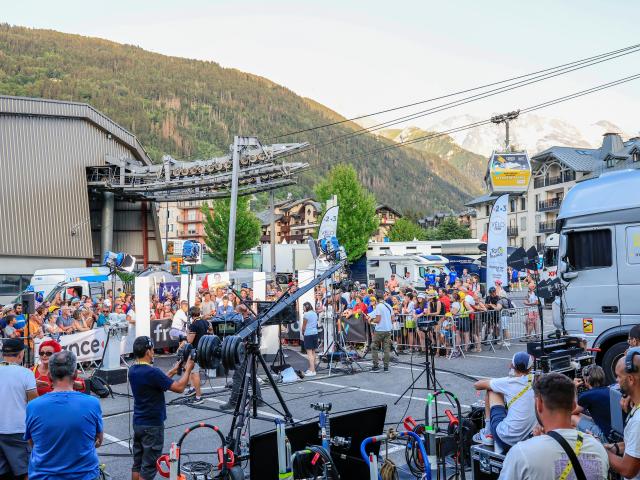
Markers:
point(462, 101)
point(469, 126)
point(587, 59)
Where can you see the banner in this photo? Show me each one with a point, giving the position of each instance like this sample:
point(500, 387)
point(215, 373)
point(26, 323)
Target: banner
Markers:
point(355, 329)
point(329, 225)
point(172, 288)
point(160, 334)
point(88, 346)
point(497, 243)
point(509, 172)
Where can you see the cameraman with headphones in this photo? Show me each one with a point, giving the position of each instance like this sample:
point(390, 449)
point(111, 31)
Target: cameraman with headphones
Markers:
point(624, 457)
point(148, 384)
point(198, 328)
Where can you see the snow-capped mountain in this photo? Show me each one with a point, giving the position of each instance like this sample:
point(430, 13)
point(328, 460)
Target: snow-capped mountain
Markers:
point(531, 132)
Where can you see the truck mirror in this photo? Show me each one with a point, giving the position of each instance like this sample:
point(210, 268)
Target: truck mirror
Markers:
point(568, 276)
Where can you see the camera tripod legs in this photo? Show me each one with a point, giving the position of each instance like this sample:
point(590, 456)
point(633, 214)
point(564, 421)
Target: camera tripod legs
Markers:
point(429, 370)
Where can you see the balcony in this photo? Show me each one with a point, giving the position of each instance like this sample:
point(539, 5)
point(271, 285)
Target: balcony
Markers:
point(198, 218)
point(546, 227)
point(198, 232)
point(554, 180)
point(512, 231)
point(190, 204)
point(549, 205)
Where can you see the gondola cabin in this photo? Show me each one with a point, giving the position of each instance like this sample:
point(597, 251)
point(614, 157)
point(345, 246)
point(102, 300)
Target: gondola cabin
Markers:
point(508, 172)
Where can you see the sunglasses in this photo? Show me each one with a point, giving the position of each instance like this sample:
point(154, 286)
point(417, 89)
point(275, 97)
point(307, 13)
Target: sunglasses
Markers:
point(46, 354)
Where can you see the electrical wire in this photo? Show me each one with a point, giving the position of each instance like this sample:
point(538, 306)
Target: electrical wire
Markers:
point(575, 62)
point(488, 121)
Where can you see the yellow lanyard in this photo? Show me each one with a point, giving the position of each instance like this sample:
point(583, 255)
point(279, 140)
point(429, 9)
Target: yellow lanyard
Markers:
point(143, 363)
point(522, 392)
point(567, 469)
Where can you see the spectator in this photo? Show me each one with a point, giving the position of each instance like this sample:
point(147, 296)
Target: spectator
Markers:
point(225, 308)
point(310, 334)
point(208, 307)
point(20, 318)
point(199, 327)
point(64, 427)
point(634, 336)
point(166, 312)
point(179, 322)
point(544, 456)
point(393, 283)
point(51, 327)
point(18, 388)
point(65, 320)
point(532, 311)
point(624, 457)
point(596, 402)
point(509, 413)
point(79, 324)
point(148, 385)
point(10, 330)
point(498, 304)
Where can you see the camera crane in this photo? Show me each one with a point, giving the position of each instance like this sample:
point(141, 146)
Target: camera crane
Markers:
point(242, 350)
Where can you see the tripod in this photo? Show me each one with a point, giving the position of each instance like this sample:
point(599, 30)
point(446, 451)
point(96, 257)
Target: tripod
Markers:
point(429, 367)
point(338, 348)
point(247, 402)
point(279, 362)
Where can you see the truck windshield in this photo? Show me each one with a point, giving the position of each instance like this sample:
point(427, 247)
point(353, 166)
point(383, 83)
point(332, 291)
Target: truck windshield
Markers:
point(52, 294)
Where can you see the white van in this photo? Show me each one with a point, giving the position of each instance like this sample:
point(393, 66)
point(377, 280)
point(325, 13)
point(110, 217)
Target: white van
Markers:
point(599, 262)
point(85, 281)
point(380, 268)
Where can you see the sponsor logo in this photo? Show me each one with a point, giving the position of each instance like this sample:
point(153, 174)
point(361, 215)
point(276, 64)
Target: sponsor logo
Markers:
point(498, 225)
point(587, 325)
point(496, 252)
point(84, 348)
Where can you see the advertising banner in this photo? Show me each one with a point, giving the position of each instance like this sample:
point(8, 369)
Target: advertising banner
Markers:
point(497, 243)
point(509, 172)
point(172, 288)
point(88, 346)
point(160, 334)
point(329, 225)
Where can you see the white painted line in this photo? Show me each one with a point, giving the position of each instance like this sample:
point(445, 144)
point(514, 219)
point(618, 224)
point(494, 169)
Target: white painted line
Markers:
point(378, 392)
point(486, 356)
point(113, 439)
point(261, 412)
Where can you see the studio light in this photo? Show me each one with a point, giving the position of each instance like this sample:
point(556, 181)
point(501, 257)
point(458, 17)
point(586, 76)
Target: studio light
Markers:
point(120, 261)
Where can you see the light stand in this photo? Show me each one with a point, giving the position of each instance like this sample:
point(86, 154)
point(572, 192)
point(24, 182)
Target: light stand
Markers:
point(429, 367)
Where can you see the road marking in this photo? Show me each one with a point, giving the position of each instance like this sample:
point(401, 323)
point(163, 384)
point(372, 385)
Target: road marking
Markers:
point(113, 439)
point(486, 356)
point(379, 392)
point(261, 412)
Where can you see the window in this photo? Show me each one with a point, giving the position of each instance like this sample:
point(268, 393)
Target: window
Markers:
point(523, 224)
point(171, 227)
point(636, 156)
point(512, 205)
point(523, 203)
point(487, 211)
point(393, 267)
point(610, 162)
point(522, 242)
point(191, 216)
point(11, 285)
point(589, 249)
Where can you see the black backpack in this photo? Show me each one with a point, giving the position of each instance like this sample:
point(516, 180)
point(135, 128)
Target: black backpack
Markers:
point(99, 387)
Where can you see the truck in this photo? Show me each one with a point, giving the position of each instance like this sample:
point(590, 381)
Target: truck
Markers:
point(380, 268)
point(599, 262)
point(550, 257)
point(69, 282)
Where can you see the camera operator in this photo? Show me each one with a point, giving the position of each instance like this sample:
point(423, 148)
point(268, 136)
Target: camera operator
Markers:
point(64, 426)
point(595, 401)
point(547, 456)
point(179, 322)
point(509, 414)
point(17, 388)
point(237, 373)
point(624, 457)
point(199, 327)
point(148, 384)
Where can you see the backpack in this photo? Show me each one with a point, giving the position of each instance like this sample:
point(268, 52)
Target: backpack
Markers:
point(99, 387)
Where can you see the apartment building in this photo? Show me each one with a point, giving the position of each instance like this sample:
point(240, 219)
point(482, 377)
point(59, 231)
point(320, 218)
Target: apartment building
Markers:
point(532, 216)
point(185, 221)
point(295, 221)
point(387, 217)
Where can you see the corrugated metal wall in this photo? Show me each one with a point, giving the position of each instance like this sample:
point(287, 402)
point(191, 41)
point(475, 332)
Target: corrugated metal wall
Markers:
point(44, 205)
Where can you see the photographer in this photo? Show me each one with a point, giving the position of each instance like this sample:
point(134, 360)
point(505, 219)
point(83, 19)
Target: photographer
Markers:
point(199, 327)
point(546, 456)
point(179, 322)
point(64, 427)
point(148, 385)
point(624, 457)
point(595, 401)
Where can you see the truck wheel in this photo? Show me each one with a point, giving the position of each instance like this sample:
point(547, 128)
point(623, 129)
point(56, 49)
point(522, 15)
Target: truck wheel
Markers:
point(610, 358)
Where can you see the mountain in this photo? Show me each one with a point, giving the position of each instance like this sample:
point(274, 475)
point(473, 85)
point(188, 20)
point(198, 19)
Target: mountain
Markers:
point(471, 165)
point(192, 109)
point(531, 132)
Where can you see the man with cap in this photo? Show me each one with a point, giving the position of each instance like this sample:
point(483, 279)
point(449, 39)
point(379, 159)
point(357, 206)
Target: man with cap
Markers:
point(509, 405)
point(18, 387)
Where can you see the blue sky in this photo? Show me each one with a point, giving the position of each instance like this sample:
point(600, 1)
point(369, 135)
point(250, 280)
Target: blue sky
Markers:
point(360, 56)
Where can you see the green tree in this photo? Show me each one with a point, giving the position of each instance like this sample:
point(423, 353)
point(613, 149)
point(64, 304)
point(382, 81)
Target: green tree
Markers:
point(405, 230)
point(216, 228)
point(357, 219)
point(449, 229)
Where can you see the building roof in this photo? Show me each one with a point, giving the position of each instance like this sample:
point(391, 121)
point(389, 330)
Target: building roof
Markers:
point(382, 206)
point(577, 159)
point(481, 199)
point(44, 107)
point(289, 204)
point(265, 217)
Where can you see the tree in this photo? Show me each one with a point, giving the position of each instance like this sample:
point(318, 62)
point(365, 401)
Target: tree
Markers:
point(449, 229)
point(405, 230)
point(357, 219)
point(216, 228)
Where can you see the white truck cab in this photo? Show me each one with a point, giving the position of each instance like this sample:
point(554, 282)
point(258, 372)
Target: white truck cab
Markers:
point(599, 262)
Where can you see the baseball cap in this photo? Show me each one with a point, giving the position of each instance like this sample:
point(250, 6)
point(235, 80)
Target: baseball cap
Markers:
point(492, 289)
point(498, 282)
point(522, 361)
point(422, 295)
point(12, 345)
point(244, 285)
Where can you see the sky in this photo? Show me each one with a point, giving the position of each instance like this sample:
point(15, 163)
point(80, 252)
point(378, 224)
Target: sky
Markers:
point(358, 57)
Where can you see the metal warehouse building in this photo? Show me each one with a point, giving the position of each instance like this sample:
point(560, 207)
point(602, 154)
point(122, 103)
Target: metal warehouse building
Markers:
point(49, 217)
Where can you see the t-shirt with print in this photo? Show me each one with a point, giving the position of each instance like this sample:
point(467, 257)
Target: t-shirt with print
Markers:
point(632, 436)
point(542, 458)
point(521, 417)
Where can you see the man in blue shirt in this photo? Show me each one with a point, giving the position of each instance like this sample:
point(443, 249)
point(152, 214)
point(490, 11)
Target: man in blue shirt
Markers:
point(20, 318)
point(148, 384)
point(64, 427)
